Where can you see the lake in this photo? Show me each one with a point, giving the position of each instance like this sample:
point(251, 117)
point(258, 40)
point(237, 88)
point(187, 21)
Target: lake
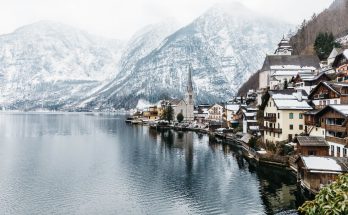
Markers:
point(77, 163)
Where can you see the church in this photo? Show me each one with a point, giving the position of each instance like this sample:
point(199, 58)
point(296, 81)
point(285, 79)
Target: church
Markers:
point(186, 105)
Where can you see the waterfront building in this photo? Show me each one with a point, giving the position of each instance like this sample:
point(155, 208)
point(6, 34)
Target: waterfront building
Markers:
point(284, 114)
point(231, 114)
point(310, 145)
point(326, 93)
point(215, 112)
point(315, 172)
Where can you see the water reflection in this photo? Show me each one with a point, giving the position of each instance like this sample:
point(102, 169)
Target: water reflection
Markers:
point(97, 164)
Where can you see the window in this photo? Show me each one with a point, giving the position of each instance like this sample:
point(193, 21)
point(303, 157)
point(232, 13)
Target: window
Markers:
point(335, 102)
point(278, 115)
point(300, 116)
point(278, 125)
point(300, 127)
point(291, 115)
point(338, 151)
point(291, 126)
point(344, 152)
point(328, 102)
point(278, 135)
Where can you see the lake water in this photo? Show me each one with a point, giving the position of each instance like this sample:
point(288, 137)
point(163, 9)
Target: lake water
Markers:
point(97, 164)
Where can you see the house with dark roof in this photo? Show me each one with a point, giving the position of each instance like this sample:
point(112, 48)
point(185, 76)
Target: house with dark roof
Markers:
point(334, 120)
point(310, 145)
point(308, 81)
point(326, 93)
point(341, 65)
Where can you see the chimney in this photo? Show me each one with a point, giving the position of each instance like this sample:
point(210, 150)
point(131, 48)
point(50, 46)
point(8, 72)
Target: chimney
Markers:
point(299, 95)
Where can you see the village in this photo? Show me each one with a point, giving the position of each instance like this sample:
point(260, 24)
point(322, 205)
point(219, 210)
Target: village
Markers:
point(297, 118)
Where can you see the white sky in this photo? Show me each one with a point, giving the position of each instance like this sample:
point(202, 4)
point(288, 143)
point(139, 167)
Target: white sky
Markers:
point(121, 18)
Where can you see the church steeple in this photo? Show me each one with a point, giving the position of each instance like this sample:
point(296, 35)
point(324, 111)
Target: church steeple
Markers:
point(189, 80)
point(189, 89)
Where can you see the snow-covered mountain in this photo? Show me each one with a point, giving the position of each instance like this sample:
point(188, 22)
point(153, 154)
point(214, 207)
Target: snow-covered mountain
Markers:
point(53, 65)
point(49, 64)
point(224, 46)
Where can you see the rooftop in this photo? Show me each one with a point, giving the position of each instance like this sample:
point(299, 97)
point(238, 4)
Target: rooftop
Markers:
point(324, 164)
point(311, 141)
point(292, 104)
point(290, 62)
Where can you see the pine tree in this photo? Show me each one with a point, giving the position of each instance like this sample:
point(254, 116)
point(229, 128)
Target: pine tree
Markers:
point(323, 45)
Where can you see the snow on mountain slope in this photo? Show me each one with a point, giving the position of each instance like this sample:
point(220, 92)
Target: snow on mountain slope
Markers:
point(224, 46)
point(49, 64)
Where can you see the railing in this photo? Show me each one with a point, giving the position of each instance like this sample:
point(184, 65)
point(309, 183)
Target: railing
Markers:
point(337, 140)
point(337, 128)
point(275, 130)
point(270, 118)
point(312, 123)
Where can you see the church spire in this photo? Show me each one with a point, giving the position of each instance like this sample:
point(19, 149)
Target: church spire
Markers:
point(189, 80)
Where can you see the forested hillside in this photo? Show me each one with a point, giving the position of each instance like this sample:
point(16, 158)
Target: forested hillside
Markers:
point(332, 20)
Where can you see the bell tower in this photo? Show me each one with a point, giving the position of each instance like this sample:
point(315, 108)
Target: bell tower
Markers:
point(189, 89)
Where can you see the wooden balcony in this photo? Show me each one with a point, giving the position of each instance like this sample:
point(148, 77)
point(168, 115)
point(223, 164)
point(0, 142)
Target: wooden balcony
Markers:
point(275, 130)
point(336, 128)
point(312, 123)
point(270, 118)
point(337, 140)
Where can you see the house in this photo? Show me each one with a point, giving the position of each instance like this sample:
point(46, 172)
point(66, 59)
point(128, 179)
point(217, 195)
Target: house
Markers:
point(201, 113)
point(334, 118)
point(312, 124)
point(341, 65)
point(308, 81)
point(151, 113)
point(333, 54)
point(309, 145)
point(283, 66)
point(314, 172)
point(326, 93)
point(283, 114)
point(216, 112)
point(231, 114)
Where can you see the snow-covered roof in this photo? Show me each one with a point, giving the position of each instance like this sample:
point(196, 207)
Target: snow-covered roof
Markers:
point(234, 107)
point(345, 53)
point(254, 128)
point(292, 104)
point(291, 62)
point(341, 108)
point(250, 114)
point(330, 164)
point(285, 73)
point(311, 141)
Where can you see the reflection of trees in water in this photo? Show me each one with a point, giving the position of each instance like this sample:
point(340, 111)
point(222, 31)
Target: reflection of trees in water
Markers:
point(278, 188)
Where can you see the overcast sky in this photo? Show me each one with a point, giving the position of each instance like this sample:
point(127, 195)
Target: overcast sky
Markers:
point(121, 18)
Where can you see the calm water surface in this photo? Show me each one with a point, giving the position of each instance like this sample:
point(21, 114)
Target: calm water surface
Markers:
point(97, 164)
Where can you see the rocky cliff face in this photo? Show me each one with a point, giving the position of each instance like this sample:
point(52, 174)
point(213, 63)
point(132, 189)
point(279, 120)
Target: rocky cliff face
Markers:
point(224, 46)
point(55, 66)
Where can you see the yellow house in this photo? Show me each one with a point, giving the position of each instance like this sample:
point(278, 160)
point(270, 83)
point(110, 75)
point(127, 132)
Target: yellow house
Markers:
point(284, 114)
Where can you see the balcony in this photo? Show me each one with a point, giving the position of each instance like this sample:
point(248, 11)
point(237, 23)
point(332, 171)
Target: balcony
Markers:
point(337, 140)
point(275, 130)
point(270, 118)
point(336, 128)
point(312, 123)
